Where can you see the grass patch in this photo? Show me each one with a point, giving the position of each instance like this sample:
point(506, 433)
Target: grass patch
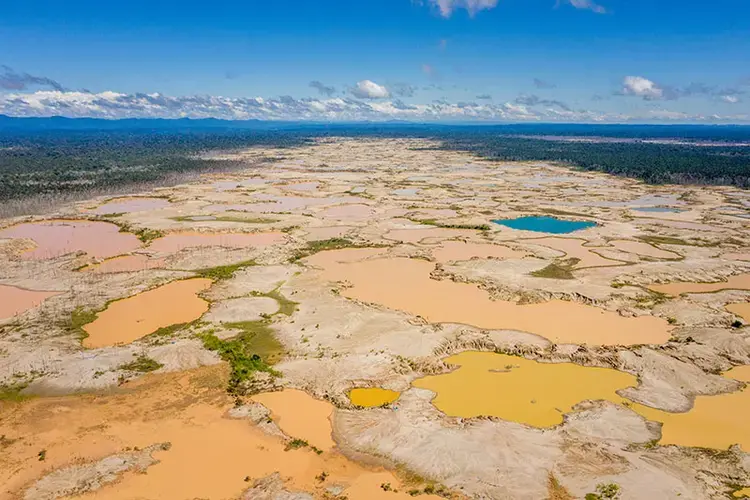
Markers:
point(314, 247)
point(142, 364)
point(223, 272)
point(79, 318)
point(563, 213)
point(562, 270)
point(433, 222)
point(12, 392)
point(286, 306)
point(296, 444)
point(604, 492)
point(226, 218)
point(254, 349)
point(169, 330)
point(146, 235)
point(664, 240)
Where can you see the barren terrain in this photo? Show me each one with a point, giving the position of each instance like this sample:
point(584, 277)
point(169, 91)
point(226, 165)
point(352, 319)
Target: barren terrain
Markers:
point(202, 340)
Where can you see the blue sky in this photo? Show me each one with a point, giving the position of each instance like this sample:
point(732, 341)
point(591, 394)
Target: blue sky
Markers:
point(491, 60)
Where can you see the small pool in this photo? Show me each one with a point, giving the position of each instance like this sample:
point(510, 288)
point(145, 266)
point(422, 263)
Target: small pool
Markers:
point(542, 224)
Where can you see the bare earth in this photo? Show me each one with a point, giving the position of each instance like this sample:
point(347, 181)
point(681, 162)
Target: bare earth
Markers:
point(488, 362)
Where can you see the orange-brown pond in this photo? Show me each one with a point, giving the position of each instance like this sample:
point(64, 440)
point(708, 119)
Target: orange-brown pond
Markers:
point(175, 242)
point(125, 263)
point(127, 205)
point(741, 309)
point(54, 238)
point(126, 320)
point(14, 300)
point(371, 397)
point(458, 250)
point(405, 284)
point(300, 416)
point(518, 389)
point(737, 282)
point(714, 421)
point(210, 454)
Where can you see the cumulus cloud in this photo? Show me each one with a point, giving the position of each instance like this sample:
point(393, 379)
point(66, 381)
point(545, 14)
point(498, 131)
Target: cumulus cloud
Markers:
point(585, 4)
point(533, 100)
point(140, 105)
point(12, 80)
point(642, 87)
point(541, 84)
point(447, 7)
point(325, 90)
point(367, 89)
point(651, 91)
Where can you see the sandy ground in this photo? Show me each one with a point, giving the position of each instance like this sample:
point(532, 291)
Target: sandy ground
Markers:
point(624, 342)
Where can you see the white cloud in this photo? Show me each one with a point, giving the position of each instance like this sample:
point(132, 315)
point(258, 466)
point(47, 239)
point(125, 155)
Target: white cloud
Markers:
point(588, 5)
point(367, 89)
point(641, 87)
point(119, 105)
point(447, 7)
point(731, 99)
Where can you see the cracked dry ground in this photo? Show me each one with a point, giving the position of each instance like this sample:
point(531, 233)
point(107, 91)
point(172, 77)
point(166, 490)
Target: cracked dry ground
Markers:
point(203, 340)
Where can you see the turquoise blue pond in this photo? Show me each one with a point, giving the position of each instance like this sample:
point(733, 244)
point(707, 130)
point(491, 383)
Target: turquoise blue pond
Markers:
point(545, 224)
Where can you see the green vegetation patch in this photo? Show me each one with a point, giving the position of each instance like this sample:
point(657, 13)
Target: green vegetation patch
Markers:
point(144, 234)
point(79, 318)
point(245, 352)
point(664, 240)
point(314, 247)
point(12, 392)
point(226, 218)
point(436, 223)
point(604, 492)
point(563, 213)
point(561, 270)
point(142, 364)
point(224, 272)
point(286, 306)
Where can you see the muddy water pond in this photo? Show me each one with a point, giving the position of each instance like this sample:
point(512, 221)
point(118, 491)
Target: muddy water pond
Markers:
point(737, 282)
point(741, 309)
point(129, 319)
point(189, 411)
point(128, 205)
point(175, 242)
point(518, 389)
point(405, 284)
point(54, 238)
point(714, 421)
point(14, 300)
point(543, 224)
point(371, 397)
point(300, 416)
